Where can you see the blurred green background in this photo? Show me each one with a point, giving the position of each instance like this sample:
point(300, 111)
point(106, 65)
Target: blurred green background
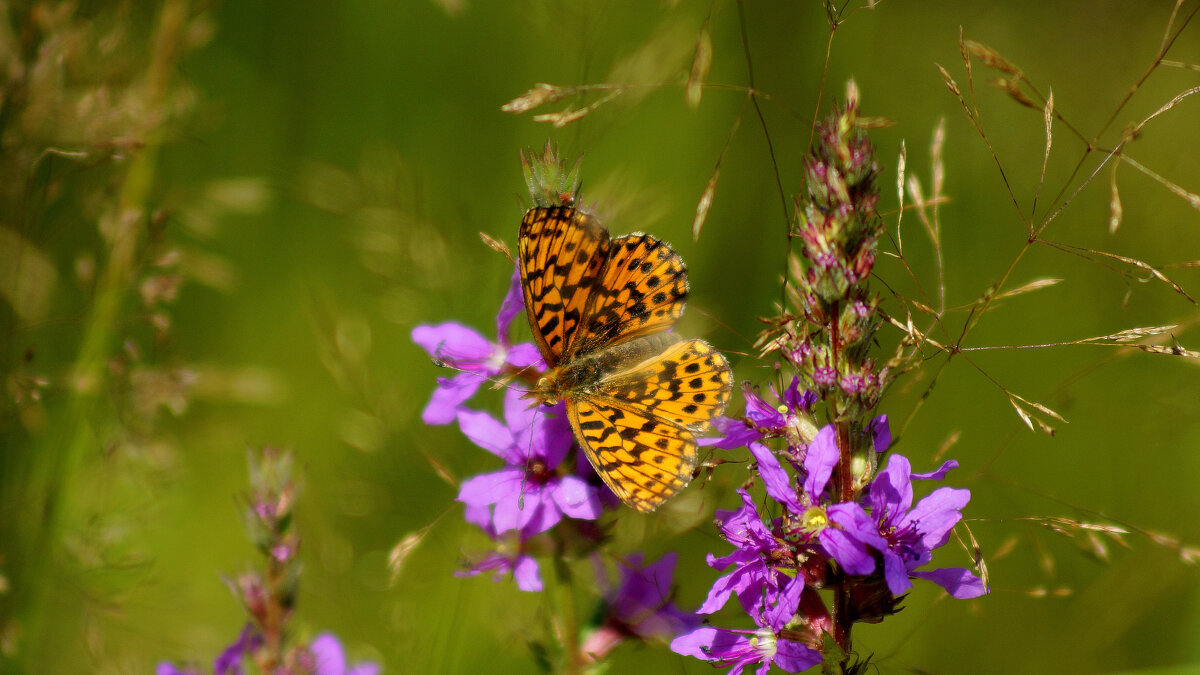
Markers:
point(307, 182)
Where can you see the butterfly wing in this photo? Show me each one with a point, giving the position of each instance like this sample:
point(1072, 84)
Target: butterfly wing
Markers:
point(561, 255)
point(641, 291)
point(687, 383)
point(636, 426)
point(643, 459)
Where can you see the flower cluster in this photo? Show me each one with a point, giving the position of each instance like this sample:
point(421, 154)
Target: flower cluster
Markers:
point(873, 547)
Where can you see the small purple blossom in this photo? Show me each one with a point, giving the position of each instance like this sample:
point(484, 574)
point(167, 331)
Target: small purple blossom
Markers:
point(756, 577)
point(330, 659)
point(523, 568)
point(229, 662)
point(763, 647)
point(640, 607)
point(913, 532)
point(464, 348)
point(528, 494)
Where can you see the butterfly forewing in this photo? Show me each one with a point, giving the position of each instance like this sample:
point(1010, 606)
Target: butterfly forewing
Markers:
point(644, 286)
point(644, 459)
point(561, 254)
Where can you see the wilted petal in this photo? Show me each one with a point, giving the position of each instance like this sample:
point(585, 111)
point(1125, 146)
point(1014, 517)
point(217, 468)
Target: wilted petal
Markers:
point(958, 582)
point(450, 393)
point(822, 456)
point(483, 430)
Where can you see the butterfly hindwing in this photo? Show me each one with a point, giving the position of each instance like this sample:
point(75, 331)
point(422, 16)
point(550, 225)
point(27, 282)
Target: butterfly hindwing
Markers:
point(688, 383)
point(643, 459)
point(561, 254)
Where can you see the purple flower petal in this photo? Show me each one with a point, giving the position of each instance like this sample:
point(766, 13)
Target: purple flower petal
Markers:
point(891, 492)
point(328, 654)
point(448, 396)
point(520, 415)
point(733, 434)
point(524, 355)
point(895, 573)
point(881, 433)
point(776, 481)
point(167, 668)
point(795, 657)
point(759, 411)
point(850, 553)
point(576, 498)
point(823, 455)
point(489, 488)
point(939, 473)
point(520, 508)
point(513, 304)
point(707, 643)
point(526, 572)
point(483, 430)
point(229, 662)
point(958, 582)
point(455, 343)
point(779, 614)
point(937, 514)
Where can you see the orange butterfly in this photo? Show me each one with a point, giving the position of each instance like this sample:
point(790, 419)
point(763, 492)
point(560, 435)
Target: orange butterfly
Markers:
point(600, 309)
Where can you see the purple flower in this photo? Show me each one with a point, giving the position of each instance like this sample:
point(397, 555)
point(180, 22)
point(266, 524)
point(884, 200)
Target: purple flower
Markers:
point(529, 494)
point(330, 659)
point(465, 349)
point(229, 662)
point(790, 420)
point(758, 562)
point(640, 607)
point(741, 648)
point(523, 568)
point(912, 533)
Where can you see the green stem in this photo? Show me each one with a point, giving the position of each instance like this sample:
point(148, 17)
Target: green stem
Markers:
point(568, 624)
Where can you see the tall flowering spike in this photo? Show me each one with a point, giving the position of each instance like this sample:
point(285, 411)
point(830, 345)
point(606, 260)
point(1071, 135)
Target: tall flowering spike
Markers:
point(549, 180)
point(834, 314)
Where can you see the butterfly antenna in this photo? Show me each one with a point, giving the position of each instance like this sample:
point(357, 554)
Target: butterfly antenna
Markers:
point(502, 382)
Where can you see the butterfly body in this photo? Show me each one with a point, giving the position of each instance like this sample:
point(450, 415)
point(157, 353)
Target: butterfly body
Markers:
point(601, 311)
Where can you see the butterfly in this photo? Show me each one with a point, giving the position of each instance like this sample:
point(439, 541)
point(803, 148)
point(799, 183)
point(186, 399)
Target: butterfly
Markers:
point(601, 311)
